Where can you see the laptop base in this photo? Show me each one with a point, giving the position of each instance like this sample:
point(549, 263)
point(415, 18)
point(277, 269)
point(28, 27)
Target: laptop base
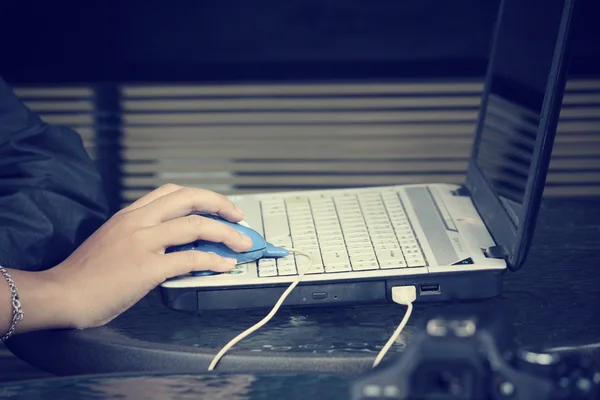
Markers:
point(457, 286)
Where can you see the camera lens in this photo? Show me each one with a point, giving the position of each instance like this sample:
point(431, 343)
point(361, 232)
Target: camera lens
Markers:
point(439, 382)
point(450, 382)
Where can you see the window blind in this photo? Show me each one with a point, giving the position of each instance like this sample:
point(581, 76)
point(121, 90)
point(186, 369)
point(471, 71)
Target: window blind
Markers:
point(242, 138)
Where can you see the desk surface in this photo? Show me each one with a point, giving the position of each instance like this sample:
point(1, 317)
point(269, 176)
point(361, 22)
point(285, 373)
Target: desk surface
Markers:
point(553, 302)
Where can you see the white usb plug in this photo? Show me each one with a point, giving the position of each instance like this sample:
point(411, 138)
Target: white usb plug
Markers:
point(404, 295)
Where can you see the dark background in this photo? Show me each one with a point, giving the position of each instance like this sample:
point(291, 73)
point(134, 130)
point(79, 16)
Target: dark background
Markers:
point(176, 40)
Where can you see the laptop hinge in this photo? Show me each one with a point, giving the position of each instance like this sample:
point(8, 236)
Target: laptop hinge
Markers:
point(463, 191)
point(496, 252)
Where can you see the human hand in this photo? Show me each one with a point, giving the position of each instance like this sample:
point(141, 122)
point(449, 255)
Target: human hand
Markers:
point(125, 259)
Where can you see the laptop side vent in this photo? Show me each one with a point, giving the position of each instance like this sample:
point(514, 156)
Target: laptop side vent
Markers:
point(496, 252)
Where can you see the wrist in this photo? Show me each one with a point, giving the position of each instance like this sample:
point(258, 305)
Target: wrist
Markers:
point(43, 301)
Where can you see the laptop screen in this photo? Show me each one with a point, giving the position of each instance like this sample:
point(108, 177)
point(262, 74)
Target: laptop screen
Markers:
point(518, 76)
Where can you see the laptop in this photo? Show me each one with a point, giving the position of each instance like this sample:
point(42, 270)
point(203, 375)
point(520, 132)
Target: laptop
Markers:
point(453, 242)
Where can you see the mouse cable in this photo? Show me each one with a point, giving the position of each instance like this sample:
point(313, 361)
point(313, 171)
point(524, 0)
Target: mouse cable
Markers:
point(404, 295)
point(266, 319)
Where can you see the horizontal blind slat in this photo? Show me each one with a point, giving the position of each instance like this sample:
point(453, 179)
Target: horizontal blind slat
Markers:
point(300, 117)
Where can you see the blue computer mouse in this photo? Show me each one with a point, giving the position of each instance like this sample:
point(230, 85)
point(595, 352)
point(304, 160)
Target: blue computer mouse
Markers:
point(260, 247)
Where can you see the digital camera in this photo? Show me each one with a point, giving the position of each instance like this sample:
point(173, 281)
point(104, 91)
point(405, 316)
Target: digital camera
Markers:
point(471, 356)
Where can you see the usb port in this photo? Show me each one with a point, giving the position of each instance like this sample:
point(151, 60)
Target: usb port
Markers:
point(429, 289)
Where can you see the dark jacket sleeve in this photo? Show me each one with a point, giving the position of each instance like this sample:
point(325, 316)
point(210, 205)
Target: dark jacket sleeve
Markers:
point(51, 196)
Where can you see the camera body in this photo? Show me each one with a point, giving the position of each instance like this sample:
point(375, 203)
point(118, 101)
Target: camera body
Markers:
point(463, 356)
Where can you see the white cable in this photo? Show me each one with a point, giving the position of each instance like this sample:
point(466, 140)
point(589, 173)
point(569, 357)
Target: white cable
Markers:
point(404, 295)
point(266, 319)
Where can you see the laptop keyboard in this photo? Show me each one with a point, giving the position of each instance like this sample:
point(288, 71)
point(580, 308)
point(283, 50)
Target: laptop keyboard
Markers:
point(345, 232)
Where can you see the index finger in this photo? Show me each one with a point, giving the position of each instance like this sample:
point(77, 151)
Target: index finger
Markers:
point(188, 200)
point(151, 196)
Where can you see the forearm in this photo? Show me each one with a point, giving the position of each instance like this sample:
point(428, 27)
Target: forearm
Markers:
point(42, 300)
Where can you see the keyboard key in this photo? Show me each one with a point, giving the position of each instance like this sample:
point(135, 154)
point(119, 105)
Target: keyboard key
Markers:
point(304, 237)
point(297, 201)
point(357, 234)
point(409, 242)
point(402, 227)
point(296, 226)
point(364, 250)
point(355, 221)
point(380, 245)
point(267, 262)
point(354, 225)
point(373, 216)
point(330, 235)
point(382, 234)
point(300, 215)
point(272, 204)
point(334, 256)
point(300, 219)
point(302, 244)
point(347, 204)
point(406, 238)
point(379, 225)
point(300, 233)
point(393, 254)
point(323, 230)
point(332, 244)
point(396, 214)
point(388, 241)
point(415, 261)
point(270, 271)
point(365, 265)
point(366, 258)
point(411, 248)
point(389, 264)
point(309, 236)
point(356, 240)
point(373, 209)
point(383, 237)
point(286, 262)
point(325, 226)
point(298, 206)
point(288, 270)
point(316, 269)
point(407, 234)
point(337, 267)
point(355, 244)
point(412, 252)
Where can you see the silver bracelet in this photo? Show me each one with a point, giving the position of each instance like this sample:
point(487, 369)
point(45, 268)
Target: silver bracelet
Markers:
point(16, 304)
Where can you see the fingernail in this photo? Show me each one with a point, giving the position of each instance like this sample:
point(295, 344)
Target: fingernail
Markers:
point(246, 238)
point(238, 210)
point(230, 261)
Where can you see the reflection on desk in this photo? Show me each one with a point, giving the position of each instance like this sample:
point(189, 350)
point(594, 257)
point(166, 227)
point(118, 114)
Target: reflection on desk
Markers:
point(175, 387)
